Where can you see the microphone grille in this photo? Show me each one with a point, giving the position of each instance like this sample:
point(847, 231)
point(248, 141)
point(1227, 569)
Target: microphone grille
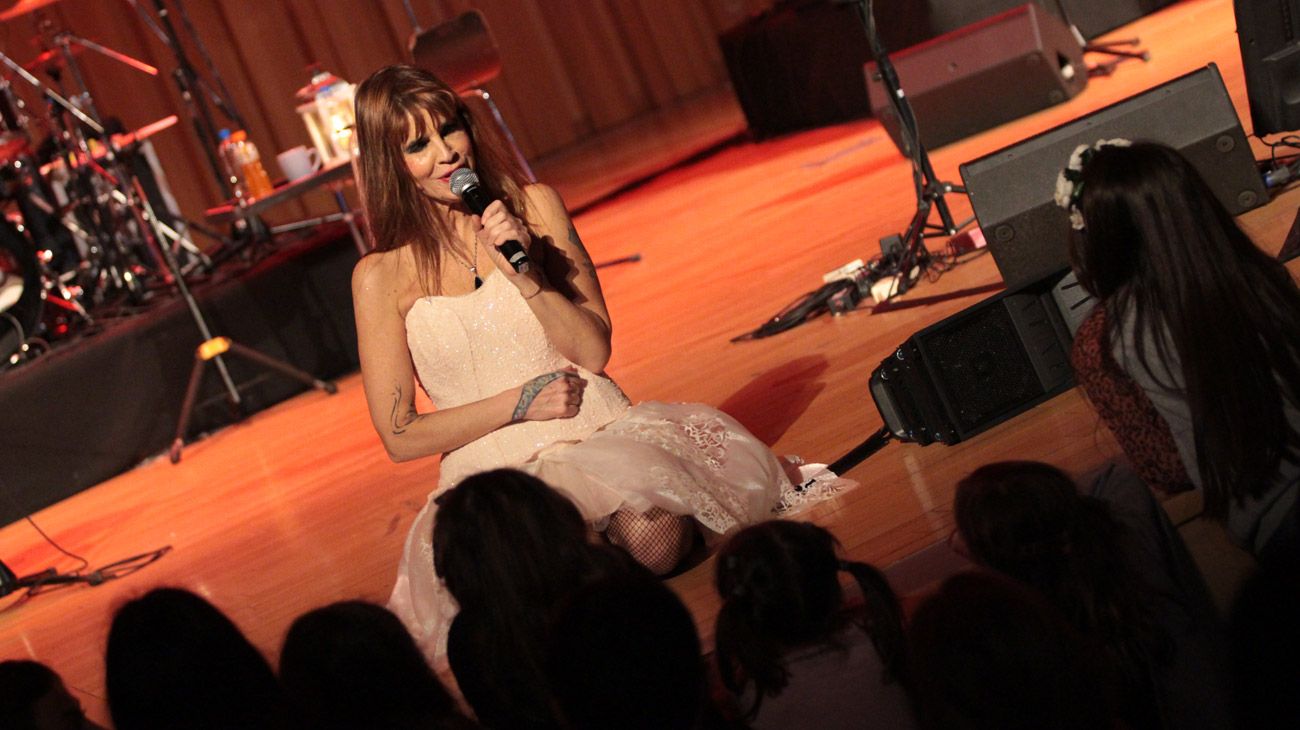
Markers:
point(462, 180)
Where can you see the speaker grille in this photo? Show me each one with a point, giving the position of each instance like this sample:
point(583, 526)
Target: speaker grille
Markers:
point(980, 366)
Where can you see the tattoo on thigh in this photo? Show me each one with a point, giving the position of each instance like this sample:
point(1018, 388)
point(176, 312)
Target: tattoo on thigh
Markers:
point(530, 391)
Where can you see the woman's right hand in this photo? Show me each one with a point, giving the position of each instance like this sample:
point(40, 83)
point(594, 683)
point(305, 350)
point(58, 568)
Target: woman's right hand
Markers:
point(556, 394)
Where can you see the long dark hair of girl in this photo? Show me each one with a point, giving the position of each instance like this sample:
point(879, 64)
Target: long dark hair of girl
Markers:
point(1028, 520)
point(509, 549)
point(397, 212)
point(1159, 245)
point(780, 587)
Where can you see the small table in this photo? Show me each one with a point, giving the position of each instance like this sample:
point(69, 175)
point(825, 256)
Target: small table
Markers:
point(334, 175)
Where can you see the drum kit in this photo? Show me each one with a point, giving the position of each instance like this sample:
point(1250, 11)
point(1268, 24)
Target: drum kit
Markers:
point(78, 232)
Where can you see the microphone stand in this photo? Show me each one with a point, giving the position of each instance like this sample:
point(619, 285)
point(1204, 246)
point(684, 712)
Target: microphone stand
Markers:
point(197, 95)
point(200, 115)
point(903, 257)
point(930, 191)
point(213, 348)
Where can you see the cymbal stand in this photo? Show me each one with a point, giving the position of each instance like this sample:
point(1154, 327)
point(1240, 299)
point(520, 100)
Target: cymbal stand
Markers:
point(49, 93)
point(114, 246)
point(911, 257)
point(116, 228)
point(87, 104)
point(111, 248)
point(64, 39)
point(111, 270)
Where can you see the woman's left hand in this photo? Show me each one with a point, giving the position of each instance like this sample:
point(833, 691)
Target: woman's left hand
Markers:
point(495, 227)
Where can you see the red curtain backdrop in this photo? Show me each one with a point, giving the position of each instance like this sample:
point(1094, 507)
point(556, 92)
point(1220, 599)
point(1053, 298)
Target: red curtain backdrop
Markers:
point(571, 68)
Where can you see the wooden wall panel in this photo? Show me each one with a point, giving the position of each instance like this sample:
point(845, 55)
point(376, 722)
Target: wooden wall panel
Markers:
point(681, 37)
point(572, 68)
point(600, 68)
point(535, 75)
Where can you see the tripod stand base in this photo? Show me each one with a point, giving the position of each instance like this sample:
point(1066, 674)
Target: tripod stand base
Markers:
point(1117, 53)
point(212, 350)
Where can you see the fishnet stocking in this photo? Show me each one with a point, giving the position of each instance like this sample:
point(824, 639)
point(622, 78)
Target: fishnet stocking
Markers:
point(656, 539)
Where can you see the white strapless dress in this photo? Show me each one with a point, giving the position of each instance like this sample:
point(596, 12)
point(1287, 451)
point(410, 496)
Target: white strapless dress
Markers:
point(688, 459)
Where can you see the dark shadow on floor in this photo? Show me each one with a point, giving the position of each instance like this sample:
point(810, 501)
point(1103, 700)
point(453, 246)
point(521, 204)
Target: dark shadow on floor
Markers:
point(769, 404)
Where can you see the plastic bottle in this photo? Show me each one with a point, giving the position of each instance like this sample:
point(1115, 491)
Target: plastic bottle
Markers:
point(244, 165)
point(256, 182)
point(229, 161)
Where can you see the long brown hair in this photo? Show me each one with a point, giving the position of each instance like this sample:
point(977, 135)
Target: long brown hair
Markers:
point(1159, 244)
point(399, 214)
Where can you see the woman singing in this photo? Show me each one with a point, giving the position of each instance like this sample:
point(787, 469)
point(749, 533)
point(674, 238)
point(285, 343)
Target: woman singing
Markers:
point(513, 362)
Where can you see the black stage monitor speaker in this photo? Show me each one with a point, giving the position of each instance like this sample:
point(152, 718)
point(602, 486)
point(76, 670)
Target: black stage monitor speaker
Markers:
point(798, 66)
point(1092, 17)
point(1011, 190)
point(983, 75)
point(1269, 34)
point(981, 366)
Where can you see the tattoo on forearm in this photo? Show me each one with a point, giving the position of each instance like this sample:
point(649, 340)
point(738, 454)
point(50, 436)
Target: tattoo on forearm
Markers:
point(403, 414)
point(584, 260)
point(530, 391)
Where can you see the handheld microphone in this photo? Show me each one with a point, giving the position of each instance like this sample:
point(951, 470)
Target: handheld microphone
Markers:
point(465, 185)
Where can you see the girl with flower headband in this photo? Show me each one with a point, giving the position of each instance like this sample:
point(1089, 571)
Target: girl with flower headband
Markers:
point(1192, 355)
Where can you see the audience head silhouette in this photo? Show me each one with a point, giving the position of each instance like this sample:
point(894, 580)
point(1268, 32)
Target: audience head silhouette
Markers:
point(989, 653)
point(175, 660)
point(32, 697)
point(779, 582)
point(352, 665)
point(504, 537)
point(509, 549)
point(624, 653)
point(1028, 520)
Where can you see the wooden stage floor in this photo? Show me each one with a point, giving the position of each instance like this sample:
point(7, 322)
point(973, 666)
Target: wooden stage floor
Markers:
point(299, 506)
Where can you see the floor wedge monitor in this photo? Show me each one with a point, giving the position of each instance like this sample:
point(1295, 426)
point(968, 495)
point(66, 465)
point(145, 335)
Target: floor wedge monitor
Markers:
point(1011, 190)
point(982, 75)
point(992, 361)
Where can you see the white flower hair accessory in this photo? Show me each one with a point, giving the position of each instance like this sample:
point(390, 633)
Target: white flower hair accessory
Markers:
point(1069, 183)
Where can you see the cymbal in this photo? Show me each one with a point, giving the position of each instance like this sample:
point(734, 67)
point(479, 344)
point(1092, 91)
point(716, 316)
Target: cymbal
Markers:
point(54, 55)
point(23, 7)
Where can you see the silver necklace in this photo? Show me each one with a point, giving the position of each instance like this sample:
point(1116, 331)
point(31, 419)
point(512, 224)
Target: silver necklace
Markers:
point(473, 268)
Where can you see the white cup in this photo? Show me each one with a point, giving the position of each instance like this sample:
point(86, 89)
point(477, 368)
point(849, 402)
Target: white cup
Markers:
point(298, 162)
